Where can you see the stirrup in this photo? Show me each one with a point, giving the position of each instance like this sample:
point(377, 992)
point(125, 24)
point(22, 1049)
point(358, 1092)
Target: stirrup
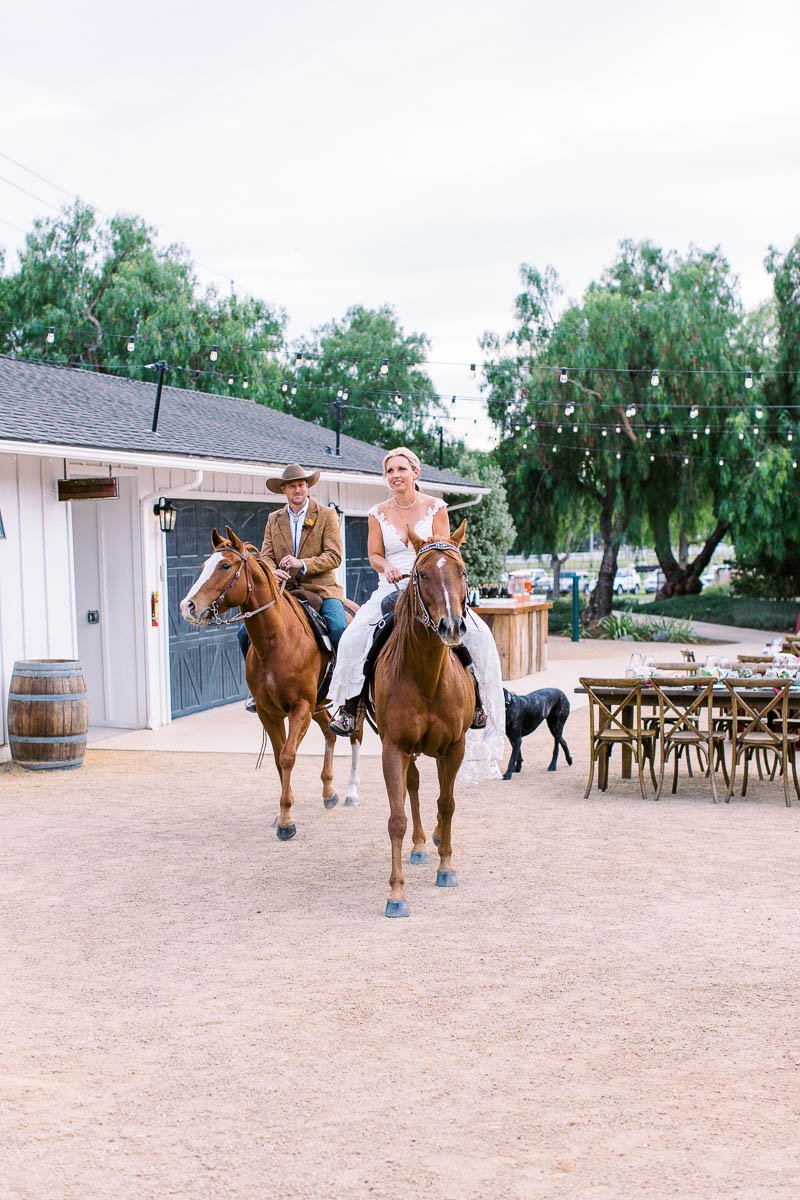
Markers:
point(479, 717)
point(343, 723)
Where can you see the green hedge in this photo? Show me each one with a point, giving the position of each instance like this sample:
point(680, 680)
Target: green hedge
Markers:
point(721, 608)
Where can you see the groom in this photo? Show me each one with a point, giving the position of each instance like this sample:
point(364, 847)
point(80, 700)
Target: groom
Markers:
point(302, 542)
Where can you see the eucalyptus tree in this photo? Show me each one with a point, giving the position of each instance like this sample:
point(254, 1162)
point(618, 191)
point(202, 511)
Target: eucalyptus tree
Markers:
point(616, 408)
point(104, 295)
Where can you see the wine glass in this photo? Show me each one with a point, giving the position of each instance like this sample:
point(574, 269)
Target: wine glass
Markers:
point(636, 663)
point(649, 664)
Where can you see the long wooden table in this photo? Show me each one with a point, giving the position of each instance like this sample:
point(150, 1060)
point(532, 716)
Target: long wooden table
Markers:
point(519, 629)
point(685, 694)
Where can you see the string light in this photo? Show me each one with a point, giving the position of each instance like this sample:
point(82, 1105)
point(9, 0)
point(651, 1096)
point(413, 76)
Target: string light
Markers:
point(759, 412)
point(654, 380)
point(748, 379)
point(384, 367)
point(245, 383)
point(694, 412)
point(472, 370)
point(131, 344)
point(569, 409)
point(298, 358)
point(51, 335)
point(562, 375)
point(214, 353)
point(230, 381)
point(630, 411)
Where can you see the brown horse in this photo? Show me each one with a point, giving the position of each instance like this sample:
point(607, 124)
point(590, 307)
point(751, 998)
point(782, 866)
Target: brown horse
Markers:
point(424, 702)
point(285, 664)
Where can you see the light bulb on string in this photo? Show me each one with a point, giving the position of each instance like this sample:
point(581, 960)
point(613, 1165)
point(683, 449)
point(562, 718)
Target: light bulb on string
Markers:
point(284, 386)
point(695, 436)
point(617, 429)
point(654, 377)
point(694, 412)
point(755, 429)
point(214, 353)
point(794, 464)
point(618, 455)
point(559, 429)
point(562, 375)
point(245, 383)
point(686, 462)
point(230, 381)
point(131, 344)
point(472, 370)
point(649, 433)
point(722, 462)
point(758, 462)
point(652, 458)
point(452, 399)
point(604, 432)
point(51, 335)
point(293, 389)
point(661, 429)
point(630, 411)
point(569, 409)
point(574, 428)
point(384, 367)
point(298, 358)
point(707, 430)
point(345, 394)
point(789, 437)
point(748, 379)
point(741, 437)
point(759, 412)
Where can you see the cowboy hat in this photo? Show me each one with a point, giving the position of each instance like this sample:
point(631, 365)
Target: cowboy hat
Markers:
point(292, 474)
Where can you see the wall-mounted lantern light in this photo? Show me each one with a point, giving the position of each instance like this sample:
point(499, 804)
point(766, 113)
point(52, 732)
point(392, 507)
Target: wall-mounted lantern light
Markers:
point(167, 514)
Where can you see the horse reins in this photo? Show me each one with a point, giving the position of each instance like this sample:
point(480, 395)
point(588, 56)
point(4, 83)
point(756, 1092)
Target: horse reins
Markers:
point(215, 617)
point(425, 618)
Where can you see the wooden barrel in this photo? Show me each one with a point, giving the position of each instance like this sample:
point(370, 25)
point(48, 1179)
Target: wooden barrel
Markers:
point(48, 714)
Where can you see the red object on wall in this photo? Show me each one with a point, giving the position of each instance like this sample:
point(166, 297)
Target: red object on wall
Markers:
point(154, 608)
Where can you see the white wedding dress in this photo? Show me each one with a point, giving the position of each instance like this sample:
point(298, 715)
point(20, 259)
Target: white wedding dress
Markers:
point(484, 748)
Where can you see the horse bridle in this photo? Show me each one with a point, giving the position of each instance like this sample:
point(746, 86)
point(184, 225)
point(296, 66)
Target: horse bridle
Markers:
point(244, 555)
point(419, 604)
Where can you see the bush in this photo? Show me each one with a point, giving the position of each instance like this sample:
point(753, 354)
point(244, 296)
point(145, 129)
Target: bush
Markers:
point(719, 606)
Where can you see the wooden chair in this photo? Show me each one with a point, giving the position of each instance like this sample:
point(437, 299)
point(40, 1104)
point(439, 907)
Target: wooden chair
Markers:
point(761, 723)
point(686, 724)
point(616, 720)
point(687, 655)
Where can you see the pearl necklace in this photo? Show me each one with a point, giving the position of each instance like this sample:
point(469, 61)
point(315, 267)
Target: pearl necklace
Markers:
point(411, 505)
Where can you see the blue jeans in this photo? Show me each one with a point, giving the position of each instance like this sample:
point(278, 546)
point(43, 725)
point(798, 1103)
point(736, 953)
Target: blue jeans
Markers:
point(333, 615)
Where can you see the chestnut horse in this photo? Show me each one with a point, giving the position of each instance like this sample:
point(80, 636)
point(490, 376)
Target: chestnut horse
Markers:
point(284, 666)
point(424, 702)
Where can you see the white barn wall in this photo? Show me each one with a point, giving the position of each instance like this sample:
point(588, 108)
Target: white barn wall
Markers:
point(37, 611)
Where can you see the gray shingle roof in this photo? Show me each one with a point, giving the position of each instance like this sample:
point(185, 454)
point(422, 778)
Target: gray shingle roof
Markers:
point(42, 403)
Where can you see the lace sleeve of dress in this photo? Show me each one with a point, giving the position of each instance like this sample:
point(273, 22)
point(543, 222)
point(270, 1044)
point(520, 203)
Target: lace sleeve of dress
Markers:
point(437, 506)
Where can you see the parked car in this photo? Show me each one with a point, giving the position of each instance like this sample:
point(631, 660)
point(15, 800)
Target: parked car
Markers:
point(626, 581)
point(568, 576)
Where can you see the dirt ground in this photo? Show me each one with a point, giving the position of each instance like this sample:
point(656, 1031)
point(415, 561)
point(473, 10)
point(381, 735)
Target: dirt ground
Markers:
point(607, 1005)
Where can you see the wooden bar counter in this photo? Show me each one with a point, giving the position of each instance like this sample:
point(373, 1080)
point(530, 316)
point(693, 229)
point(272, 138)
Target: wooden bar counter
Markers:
point(519, 629)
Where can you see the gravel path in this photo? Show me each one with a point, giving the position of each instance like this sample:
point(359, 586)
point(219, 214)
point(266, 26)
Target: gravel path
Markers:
point(606, 1007)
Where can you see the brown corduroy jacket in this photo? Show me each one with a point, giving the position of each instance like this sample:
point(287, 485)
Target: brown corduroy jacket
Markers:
point(320, 547)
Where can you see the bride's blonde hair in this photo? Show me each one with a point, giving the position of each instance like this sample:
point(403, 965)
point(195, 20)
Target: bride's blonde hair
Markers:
point(402, 452)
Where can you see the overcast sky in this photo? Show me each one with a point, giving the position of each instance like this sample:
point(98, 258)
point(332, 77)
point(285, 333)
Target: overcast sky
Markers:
point(415, 154)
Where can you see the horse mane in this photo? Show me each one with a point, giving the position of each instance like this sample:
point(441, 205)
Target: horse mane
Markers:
point(403, 624)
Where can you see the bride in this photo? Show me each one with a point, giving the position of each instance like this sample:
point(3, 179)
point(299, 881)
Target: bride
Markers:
point(392, 557)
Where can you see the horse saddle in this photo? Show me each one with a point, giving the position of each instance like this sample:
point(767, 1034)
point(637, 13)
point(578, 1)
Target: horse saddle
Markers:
point(311, 604)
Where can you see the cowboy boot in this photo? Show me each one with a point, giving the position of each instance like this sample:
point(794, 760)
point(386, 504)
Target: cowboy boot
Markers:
point(345, 722)
point(480, 716)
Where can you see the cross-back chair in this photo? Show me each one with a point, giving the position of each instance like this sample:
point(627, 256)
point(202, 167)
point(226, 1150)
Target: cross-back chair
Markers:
point(686, 724)
point(615, 719)
point(761, 723)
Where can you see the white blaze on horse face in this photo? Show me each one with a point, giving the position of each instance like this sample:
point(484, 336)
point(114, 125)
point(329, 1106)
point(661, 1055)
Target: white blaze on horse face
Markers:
point(441, 565)
point(209, 567)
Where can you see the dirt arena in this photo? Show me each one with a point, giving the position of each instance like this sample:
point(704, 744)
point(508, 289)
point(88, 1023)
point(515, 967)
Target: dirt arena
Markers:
point(607, 1005)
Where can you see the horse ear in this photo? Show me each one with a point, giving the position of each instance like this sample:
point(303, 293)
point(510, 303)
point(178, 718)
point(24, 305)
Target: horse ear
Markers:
point(416, 542)
point(458, 535)
point(233, 539)
point(216, 539)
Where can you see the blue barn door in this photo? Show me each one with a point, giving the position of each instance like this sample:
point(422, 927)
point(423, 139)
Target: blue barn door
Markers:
point(360, 579)
point(206, 666)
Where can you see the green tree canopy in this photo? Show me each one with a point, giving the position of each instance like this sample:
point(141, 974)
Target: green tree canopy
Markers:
point(586, 434)
point(372, 367)
point(98, 285)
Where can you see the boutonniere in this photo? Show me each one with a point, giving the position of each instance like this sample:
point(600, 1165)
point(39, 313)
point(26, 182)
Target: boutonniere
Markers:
point(309, 522)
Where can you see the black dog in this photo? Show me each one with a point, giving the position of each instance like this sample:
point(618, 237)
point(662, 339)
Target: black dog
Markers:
point(526, 713)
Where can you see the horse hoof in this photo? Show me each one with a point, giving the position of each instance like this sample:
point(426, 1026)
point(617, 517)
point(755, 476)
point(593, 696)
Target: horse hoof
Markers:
point(418, 857)
point(350, 801)
point(508, 776)
point(551, 768)
point(286, 832)
point(331, 801)
point(396, 908)
point(446, 879)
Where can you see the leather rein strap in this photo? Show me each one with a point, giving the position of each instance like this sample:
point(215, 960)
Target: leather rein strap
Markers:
point(243, 566)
